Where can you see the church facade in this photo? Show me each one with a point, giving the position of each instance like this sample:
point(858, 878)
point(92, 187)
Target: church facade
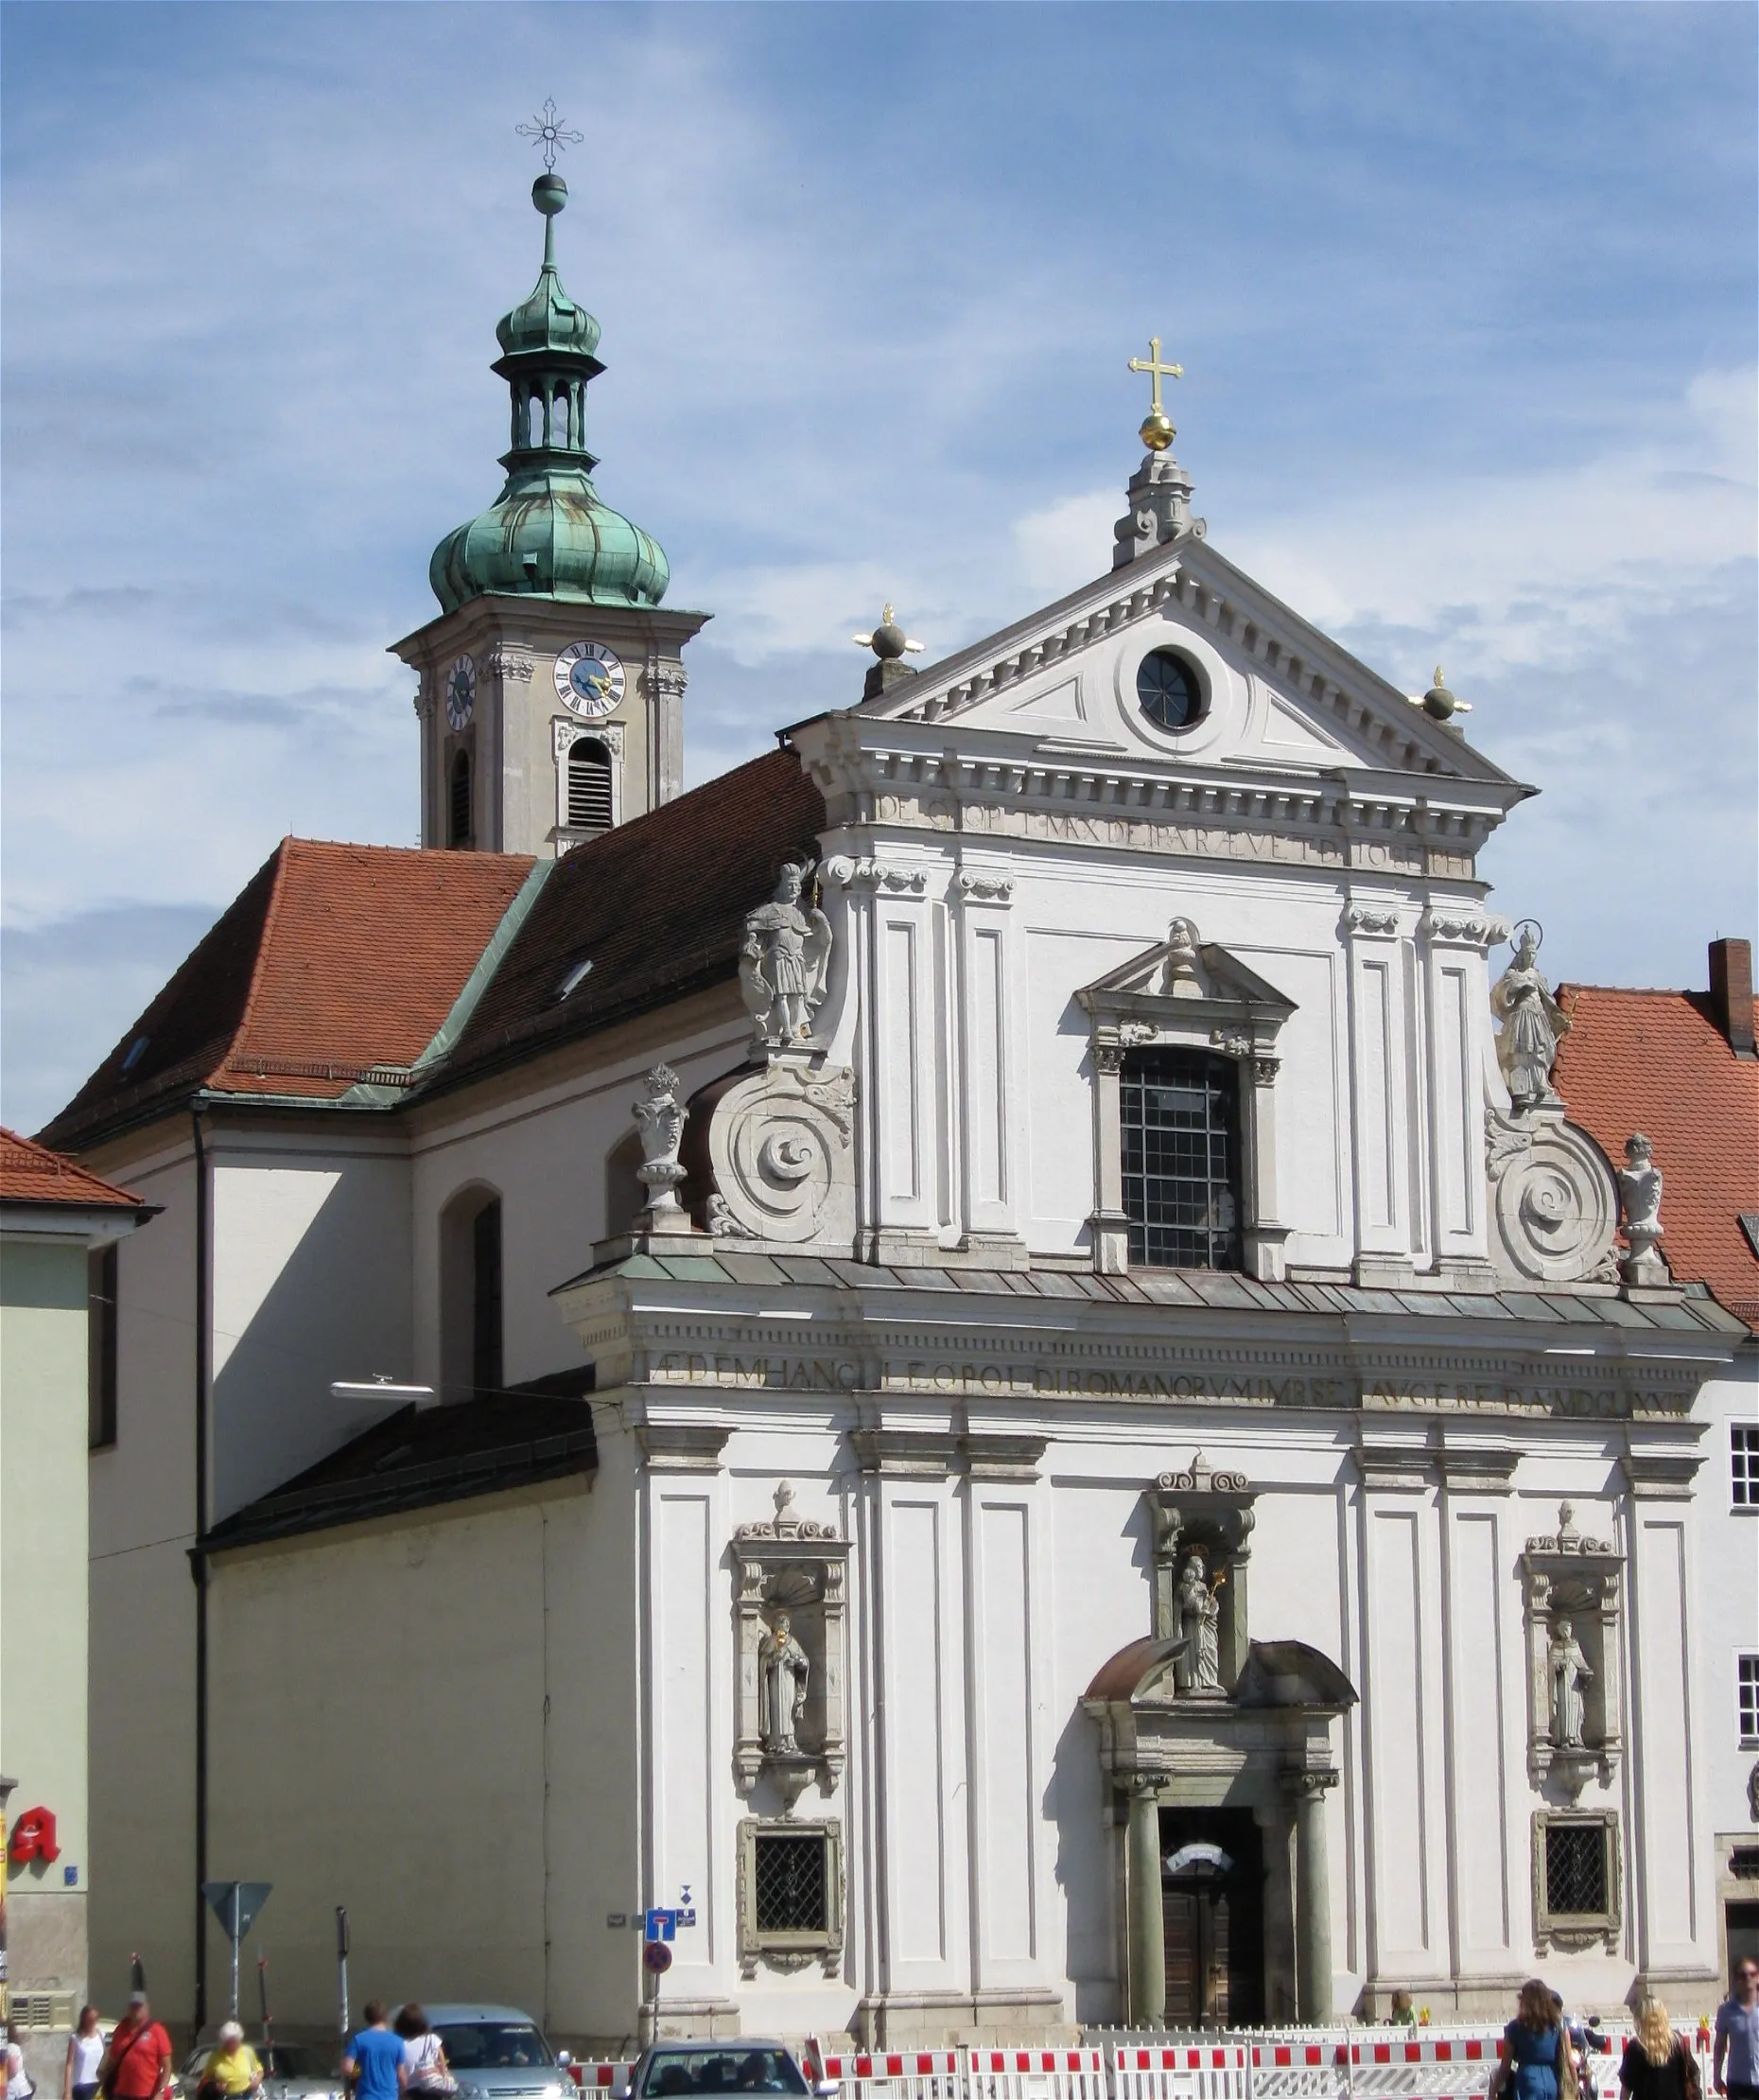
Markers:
point(980, 1355)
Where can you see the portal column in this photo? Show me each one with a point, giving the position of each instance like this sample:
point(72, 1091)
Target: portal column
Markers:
point(1147, 1926)
point(1312, 1898)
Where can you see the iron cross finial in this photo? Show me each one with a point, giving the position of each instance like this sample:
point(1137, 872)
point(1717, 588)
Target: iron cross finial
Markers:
point(549, 134)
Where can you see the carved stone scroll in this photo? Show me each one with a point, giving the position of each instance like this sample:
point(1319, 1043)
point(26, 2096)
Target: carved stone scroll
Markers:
point(781, 1150)
point(1554, 1203)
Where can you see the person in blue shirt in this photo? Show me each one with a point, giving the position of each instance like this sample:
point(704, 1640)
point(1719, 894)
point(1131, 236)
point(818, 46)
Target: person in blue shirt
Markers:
point(373, 2066)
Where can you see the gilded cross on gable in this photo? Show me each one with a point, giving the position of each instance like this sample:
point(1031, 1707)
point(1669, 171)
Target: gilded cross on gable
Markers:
point(1157, 432)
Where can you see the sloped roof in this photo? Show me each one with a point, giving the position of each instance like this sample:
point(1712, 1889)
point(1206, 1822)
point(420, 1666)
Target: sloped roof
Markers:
point(658, 907)
point(332, 962)
point(30, 1173)
point(1658, 1062)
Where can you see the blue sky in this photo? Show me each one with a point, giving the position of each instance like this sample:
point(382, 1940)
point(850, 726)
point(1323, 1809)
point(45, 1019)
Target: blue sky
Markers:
point(1465, 296)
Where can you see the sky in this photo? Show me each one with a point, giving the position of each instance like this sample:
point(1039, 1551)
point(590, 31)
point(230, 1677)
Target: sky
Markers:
point(1465, 296)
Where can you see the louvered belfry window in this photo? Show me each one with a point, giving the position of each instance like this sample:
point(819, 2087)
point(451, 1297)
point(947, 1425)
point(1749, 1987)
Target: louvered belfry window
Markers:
point(589, 786)
point(457, 822)
point(1180, 1115)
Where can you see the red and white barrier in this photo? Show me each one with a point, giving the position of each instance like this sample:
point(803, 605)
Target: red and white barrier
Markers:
point(1036, 2075)
point(601, 2078)
point(899, 2074)
point(1200, 2069)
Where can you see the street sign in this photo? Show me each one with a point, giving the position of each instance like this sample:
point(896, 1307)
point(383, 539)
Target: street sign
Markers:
point(657, 1957)
point(252, 1896)
point(662, 1925)
point(685, 1917)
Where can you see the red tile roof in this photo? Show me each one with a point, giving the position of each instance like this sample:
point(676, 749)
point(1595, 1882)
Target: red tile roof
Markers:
point(334, 960)
point(1656, 1062)
point(33, 1174)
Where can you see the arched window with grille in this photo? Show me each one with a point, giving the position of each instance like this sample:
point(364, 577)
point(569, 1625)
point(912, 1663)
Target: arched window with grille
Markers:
point(590, 800)
point(1179, 1117)
point(459, 828)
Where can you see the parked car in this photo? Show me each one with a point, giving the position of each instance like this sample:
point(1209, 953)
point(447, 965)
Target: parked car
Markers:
point(682, 2069)
point(499, 2052)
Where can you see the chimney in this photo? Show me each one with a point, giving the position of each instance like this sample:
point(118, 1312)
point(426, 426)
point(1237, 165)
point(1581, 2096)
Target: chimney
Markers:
point(1731, 993)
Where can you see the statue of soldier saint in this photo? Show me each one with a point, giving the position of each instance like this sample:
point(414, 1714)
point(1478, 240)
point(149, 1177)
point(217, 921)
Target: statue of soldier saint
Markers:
point(1198, 1615)
point(784, 961)
point(1568, 1674)
point(782, 1674)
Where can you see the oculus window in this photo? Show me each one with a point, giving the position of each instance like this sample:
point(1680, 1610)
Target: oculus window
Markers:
point(1169, 690)
point(1180, 1115)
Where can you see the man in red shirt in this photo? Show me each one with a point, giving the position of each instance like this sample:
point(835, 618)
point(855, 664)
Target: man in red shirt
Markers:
point(137, 2064)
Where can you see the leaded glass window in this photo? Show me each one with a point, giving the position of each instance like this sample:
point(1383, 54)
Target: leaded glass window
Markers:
point(1180, 1116)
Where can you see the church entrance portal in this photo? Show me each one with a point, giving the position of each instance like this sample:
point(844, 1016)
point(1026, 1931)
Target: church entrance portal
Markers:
point(1212, 1909)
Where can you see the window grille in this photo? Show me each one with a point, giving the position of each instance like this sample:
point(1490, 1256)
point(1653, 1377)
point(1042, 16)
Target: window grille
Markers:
point(1743, 1862)
point(789, 1881)
point(459, 830)
point(1744, 1464)
point(101, 1265)
point(1576, 1869)
point(589, 786)
point(1747, 1693)
point(1180, 1110)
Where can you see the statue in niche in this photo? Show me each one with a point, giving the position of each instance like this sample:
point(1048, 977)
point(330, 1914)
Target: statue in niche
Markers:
point(782, 1674)
point(785, 961)
point(1640, 1198)
point(1570, 1673)
point(1198, 1615)
point(1533, 1024)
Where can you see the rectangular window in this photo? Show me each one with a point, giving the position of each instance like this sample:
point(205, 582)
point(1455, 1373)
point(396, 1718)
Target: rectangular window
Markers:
point(788, 1875)
point(100, 1347)
point(1746, 1700)
point(1180, 1129)
point(1744, 1464)
point(1576, 1869)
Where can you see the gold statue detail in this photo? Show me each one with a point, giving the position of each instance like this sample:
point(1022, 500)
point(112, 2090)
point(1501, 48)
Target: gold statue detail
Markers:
point(1157, 432)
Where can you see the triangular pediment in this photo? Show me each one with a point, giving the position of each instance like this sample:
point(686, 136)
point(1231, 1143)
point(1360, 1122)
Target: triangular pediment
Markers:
point(1278, 696)
point(1187, 983)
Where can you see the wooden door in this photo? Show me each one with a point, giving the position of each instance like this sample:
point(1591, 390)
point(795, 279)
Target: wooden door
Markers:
point(1195, 1915)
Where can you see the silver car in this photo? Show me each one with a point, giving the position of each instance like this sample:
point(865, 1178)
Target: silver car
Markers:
point(685, 2070)
point(499, 2052)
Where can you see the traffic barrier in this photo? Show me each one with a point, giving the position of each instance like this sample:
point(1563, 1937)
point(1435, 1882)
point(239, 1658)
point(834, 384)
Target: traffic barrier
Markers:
point(899, 2074)
point(1036, 2075)
point(601, 2078)
point(1200, 2068)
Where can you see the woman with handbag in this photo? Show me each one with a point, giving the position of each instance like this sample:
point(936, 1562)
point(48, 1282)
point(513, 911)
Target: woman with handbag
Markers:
point(424, 2056)
point(1657, 2065)
point(1536, 2061)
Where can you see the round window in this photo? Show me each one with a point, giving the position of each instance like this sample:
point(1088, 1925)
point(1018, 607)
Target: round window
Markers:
point(1168, 690)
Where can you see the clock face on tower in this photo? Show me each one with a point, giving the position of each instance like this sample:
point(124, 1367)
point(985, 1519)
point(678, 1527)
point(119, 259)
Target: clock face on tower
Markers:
point(589, 679)
point(461, 691)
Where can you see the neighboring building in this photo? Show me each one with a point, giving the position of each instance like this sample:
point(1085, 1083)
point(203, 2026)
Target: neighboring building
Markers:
point(60, 1233)
point(1682, 1067)
point(1059, 1520)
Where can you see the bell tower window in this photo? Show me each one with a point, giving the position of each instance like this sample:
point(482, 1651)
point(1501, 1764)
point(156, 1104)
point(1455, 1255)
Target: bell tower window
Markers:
point(1179, 1121)
point(459, 828)
point(589, 786)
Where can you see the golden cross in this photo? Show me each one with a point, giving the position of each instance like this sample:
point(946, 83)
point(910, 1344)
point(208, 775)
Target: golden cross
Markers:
point(1153, 365)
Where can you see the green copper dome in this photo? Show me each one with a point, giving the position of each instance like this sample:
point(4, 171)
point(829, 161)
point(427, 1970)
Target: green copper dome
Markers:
point(548, 534)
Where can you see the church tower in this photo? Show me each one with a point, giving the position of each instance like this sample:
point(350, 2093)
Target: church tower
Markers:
point(551, 697)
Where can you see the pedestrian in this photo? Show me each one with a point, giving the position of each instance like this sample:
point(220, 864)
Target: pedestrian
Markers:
point(423, 2053)
point(1536, 2061)
point(1737, 2036)
point(19, 2085)
point(373, 2065)
point(1656, 2064)
point(85, 2052)
point(232, 2070)
point(137, 2064)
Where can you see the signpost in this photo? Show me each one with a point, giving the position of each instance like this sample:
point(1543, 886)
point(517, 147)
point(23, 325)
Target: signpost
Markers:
point(235, 1905)
point(341, 1968)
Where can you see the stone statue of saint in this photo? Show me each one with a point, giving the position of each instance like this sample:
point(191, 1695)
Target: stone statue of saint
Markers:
point(1640, 1198)
point(1568, 1674)
point(782, 1674)
point(785, 962)
point(1197, 1615)
point(1533, 1024)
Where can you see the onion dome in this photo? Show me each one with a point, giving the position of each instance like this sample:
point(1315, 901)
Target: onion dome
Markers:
point(548, 534)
